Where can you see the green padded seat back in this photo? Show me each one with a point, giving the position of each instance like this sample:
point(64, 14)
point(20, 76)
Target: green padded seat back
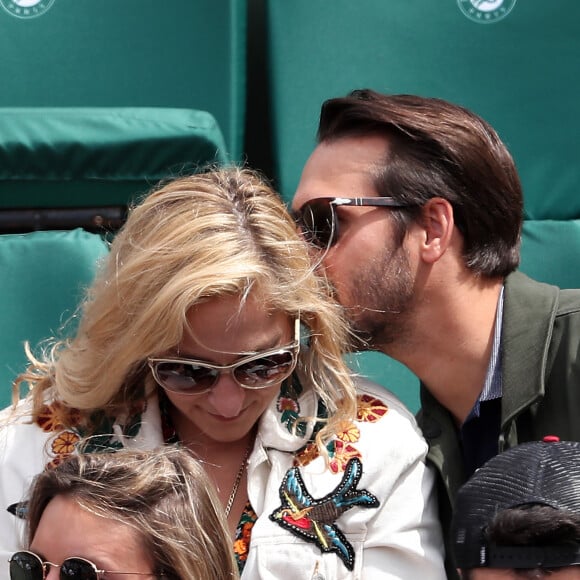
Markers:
point(186, 54)
point(519, 72)
point(64, 157)
point(43, 278)
point(390, 373)
point(515, 63)
point(551, 251)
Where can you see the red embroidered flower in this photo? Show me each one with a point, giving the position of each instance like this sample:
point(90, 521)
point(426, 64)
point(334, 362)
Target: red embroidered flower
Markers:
point(350, 433)
point(343, 452)
point(370, 409)
point(65, 443)
point(48, 418)
point(287, 404)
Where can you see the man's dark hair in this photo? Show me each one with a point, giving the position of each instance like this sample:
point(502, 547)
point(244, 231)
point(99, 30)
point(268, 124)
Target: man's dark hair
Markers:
point(438, 149)
point(533, 525)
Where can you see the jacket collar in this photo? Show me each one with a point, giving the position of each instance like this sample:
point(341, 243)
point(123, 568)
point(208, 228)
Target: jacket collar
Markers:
point(530, 310)
point(280, 426)
point(440, 432)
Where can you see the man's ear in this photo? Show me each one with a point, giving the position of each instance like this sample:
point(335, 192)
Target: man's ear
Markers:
point(438, 225)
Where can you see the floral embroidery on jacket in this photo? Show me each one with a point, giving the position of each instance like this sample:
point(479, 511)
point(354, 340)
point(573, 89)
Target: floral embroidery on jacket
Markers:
point(349, 434)
point(65, 441)
point(341, 455)
point(370, 409)
point(342, 449)
point(63, 445)
point(48, 418)
point(289, 407)
point(244, 535)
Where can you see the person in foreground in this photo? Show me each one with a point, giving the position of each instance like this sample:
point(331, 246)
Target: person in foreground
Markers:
point(208, 327)
point(134, 514)
point(518, 517)
point(415, 207)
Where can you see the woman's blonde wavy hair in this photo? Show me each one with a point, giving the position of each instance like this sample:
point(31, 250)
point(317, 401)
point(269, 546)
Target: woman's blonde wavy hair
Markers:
point(164, 495)
point(224, 232)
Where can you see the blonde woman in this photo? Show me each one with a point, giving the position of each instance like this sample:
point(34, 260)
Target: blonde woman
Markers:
point(148, 514)
point(208, 327)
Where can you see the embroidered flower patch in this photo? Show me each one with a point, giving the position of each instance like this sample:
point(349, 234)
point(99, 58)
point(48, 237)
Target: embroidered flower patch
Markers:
point(244, 535)
point(341, 450)
point(370, 409)
point(340, 454)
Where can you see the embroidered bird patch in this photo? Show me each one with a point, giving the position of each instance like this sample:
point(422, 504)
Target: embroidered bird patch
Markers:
point(315, 519)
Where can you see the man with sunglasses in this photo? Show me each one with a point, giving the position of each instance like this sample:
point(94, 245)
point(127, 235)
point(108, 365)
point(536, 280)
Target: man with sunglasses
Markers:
point(415, 209)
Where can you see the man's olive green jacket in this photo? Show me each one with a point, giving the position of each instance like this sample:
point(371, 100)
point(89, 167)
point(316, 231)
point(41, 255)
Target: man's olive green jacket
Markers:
point(540, 360)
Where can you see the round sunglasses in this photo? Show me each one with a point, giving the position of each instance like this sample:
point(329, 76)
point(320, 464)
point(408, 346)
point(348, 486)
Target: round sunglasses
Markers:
point(257, 371)
point(28, 566)
point(318, 221)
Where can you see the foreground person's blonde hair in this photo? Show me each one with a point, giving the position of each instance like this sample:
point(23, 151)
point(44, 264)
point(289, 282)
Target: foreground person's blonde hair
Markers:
point(165, 496)
point(220, 233)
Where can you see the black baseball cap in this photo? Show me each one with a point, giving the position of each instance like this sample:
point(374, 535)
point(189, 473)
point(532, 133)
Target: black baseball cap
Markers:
point(545, 473)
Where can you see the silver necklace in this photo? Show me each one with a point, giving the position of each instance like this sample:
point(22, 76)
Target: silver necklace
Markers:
point(237, 481)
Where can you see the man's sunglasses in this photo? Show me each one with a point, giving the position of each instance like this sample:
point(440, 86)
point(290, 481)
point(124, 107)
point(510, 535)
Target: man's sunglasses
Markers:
point(318, 221)
point(256, 371)
point(28, 566)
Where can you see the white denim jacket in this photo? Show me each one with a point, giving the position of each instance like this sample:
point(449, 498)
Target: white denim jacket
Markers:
point(368, 512)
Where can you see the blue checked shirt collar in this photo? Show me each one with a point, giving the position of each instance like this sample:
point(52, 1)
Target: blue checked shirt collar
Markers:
point(492, 388)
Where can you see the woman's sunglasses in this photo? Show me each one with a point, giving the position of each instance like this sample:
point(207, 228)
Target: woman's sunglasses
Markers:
point(28, 566)
point(318, 220)
point(256, 371)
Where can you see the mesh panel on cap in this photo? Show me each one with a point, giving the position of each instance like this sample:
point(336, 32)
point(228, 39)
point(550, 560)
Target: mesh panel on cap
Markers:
point(531, 473)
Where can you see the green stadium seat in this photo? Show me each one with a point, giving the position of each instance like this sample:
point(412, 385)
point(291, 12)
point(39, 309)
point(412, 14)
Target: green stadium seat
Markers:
point(551, 251)
point(68, 167)
point(187, 54)
point(44, 275)
point(63, 61)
